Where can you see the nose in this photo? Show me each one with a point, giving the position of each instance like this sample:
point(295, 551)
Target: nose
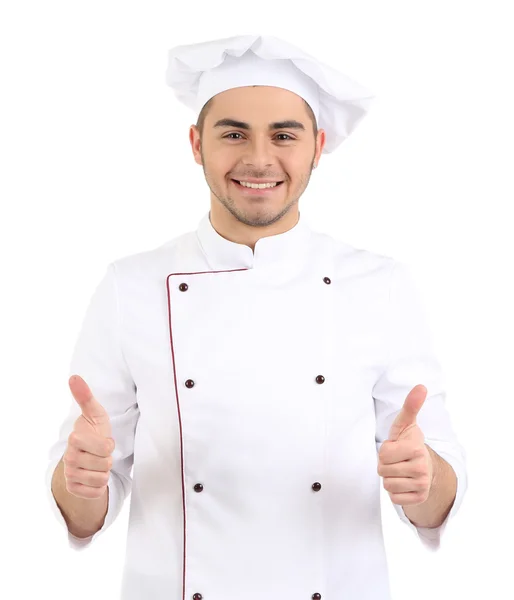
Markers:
point(259, 153)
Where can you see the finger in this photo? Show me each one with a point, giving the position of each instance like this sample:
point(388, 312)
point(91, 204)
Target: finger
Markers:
point(415, 467)
point(95, 479)
point(402, 485)
point(406, 418)
point(413, 404)
point(394, 452)
point(92, 410)
point(408, 498)
point(85, 460)
point(86, 491)
point(92, 443)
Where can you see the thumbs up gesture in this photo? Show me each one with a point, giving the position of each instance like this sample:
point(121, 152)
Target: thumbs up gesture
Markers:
point(404, 460)
point(87, 459)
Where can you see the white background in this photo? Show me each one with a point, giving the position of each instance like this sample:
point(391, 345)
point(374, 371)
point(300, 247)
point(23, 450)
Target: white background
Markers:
point(96, 164)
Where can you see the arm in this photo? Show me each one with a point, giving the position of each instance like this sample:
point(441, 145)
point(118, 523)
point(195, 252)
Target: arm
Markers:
point(98, 358)
point(411, 360)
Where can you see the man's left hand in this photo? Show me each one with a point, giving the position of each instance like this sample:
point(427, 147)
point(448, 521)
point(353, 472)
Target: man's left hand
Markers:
point(404, 461)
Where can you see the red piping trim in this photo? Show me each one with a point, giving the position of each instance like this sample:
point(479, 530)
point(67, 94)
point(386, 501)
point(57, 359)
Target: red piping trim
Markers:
point(179, 415)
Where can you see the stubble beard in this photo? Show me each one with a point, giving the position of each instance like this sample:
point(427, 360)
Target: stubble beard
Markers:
point(262, 218)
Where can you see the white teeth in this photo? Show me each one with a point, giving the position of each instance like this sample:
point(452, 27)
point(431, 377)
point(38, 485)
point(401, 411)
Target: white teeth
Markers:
point(258, 186)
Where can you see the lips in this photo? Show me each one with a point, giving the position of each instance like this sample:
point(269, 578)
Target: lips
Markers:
point(249, 192)
point(257, 182)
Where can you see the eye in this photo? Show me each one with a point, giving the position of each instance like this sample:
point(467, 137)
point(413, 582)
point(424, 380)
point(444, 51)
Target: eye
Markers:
point(287, 136)
point(228, 135)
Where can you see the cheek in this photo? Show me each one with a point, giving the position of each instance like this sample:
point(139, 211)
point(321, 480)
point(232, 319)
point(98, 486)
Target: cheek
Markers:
point(217, 165)
point(298, 176)
point(223, 163)
point(296, 164)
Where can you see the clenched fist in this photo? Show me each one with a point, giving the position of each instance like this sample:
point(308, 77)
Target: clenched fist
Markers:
point(88, 456)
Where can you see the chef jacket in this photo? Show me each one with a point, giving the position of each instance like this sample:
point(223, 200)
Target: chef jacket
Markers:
point(251, 391)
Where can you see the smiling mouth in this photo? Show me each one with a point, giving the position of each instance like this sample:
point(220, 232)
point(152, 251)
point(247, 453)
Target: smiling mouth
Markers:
point(265, 187)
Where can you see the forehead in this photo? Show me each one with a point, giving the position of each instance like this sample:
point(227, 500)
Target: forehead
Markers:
point(262, 101)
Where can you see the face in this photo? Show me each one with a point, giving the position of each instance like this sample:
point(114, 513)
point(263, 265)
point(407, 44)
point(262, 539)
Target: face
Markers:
point(257, 133)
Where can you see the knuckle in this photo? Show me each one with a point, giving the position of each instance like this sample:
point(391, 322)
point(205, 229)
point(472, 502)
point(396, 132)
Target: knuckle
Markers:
point(71, 487)
point(418, 470)
point(97, 479)
point(109, 462)
point(425, 481)
point(99, 492)
point(70, 472)
point(69, 460)
point(90, 479)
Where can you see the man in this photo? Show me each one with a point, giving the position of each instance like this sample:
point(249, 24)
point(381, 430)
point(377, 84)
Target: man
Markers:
point(262, 378)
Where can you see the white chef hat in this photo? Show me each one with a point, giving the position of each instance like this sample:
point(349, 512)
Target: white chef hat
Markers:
point(197, 72)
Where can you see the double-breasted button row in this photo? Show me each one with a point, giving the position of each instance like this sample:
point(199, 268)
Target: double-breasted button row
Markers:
point(315, 596)
point(189, 383)
point(198, 487)
point(183, 287)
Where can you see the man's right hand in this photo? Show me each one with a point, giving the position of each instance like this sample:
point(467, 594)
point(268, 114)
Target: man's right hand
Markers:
point(88, 456)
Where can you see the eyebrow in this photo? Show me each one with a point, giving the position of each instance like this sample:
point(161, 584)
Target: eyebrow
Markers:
point(290, 124)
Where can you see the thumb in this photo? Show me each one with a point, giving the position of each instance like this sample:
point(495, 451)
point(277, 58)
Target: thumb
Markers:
point(409, 412)
point(91, 409)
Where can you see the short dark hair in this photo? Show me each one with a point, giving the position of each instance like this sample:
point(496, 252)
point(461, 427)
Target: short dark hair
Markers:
point(206, 106)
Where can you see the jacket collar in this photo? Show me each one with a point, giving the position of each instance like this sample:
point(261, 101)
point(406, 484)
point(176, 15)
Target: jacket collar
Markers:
point(270, 251)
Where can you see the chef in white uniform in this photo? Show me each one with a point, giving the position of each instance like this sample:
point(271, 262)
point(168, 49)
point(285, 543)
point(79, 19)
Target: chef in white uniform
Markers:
point(263, 379)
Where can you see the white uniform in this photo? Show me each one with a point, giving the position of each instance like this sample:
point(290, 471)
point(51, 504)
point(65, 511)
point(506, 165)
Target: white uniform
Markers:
point(251, 393)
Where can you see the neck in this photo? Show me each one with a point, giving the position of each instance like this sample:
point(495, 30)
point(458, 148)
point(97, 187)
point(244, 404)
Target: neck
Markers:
point(251, 230)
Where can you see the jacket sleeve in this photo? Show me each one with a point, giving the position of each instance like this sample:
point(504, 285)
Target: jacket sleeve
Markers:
point(98, 358)
point(410, 361)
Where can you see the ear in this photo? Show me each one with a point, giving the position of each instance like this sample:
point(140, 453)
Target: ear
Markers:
point(194, 139)
point(320, 144)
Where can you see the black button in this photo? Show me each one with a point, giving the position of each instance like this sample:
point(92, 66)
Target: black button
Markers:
point(183, 287)
point(189, 383)
point(197, 596)
point(198, 487)
point(316, 486)
point(327, 280)
point(316, 596)
point(320, 379)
